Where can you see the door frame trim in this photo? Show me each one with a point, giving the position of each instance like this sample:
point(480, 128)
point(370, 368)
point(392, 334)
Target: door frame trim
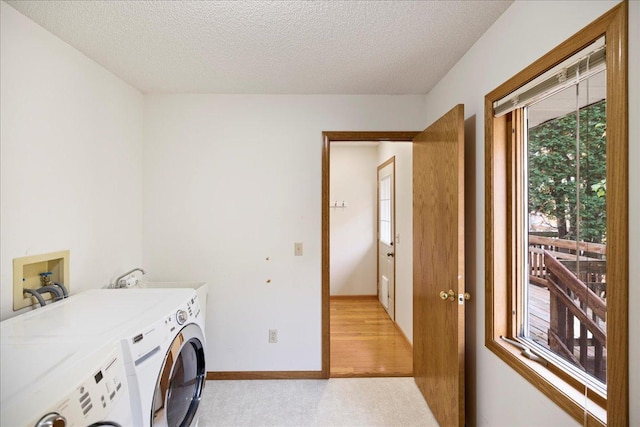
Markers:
point(327, 138)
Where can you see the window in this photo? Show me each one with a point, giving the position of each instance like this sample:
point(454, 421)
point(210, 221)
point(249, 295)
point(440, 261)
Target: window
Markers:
point(556, 239)
point(385, 210)
point(564, 263)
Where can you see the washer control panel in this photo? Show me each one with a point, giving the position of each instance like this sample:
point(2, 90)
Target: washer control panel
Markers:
point(193, 307)
point(94, 398)
point(188, 310)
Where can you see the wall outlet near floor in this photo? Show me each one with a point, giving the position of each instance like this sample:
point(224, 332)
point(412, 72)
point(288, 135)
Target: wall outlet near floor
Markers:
point(273, 336)
point(297, 248)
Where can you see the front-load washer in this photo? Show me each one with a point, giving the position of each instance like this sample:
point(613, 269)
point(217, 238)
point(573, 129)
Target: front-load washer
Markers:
point(60, 334)
point(63, 385)
point(165, 364)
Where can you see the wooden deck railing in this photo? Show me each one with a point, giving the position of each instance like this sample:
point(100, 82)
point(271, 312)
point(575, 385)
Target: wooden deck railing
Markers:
point(571, 298)
point(586, 260)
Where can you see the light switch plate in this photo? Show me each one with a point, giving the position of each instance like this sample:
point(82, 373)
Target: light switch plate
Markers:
point(297, 249)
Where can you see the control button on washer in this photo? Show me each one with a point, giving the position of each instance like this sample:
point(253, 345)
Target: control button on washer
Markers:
point(181, 317)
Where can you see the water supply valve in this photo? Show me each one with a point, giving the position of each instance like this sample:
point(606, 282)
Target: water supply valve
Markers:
point(45, 278)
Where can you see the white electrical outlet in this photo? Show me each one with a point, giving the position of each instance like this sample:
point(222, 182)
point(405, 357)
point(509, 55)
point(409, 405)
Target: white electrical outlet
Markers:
point(273, 336)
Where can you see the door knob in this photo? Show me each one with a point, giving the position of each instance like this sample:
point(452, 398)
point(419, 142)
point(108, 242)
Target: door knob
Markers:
point(447, 295)
point(390, 254)
point(452, 296)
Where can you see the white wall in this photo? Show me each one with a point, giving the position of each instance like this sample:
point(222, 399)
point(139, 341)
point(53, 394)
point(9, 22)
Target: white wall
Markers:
point(353, 229)
point(497, 395)
point(71, 156)
point(404, 229)
point(231, 180)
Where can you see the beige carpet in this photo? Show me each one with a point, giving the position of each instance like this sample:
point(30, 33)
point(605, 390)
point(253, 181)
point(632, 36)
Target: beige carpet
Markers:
point(334, 402)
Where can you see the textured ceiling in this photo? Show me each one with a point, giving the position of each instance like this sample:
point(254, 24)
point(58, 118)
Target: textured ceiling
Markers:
point(271, 47)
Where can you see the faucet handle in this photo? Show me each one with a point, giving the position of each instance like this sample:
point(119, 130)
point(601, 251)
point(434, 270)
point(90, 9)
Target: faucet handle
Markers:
point(130, 281)
point(122, 281)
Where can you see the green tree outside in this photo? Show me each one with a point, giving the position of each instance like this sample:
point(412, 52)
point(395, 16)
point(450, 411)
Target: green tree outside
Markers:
point(553, 173)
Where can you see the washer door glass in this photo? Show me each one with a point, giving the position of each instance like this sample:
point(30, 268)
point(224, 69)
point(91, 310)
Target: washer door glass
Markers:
point(181, 381)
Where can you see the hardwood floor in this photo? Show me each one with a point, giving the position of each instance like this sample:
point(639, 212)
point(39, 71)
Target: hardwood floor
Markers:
point(365, 342)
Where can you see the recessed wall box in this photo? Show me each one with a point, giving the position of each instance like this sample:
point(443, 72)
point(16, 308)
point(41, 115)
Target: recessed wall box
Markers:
point(26, 275)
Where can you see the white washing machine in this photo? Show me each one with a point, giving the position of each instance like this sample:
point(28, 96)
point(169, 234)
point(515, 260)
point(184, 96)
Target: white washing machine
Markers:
point(165, 365)
point(62, 383)
point(50, 352)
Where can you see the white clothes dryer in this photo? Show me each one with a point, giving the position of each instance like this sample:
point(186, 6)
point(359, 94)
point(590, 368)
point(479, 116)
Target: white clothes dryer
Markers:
point(165, 364)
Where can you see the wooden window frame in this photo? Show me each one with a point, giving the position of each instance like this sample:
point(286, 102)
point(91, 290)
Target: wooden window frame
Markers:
point(502, 229)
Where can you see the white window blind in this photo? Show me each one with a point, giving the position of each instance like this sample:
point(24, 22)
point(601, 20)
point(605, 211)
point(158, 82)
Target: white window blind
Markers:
point(578, 67)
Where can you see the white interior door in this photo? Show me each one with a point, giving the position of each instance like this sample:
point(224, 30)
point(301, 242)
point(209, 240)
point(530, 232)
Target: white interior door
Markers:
point(386, 233)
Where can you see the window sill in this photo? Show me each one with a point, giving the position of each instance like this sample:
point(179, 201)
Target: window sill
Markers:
point(551, 385)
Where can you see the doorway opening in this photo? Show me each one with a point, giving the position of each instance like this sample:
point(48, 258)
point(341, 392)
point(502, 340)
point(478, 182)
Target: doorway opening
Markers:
point(372, 335)
point(438, 262)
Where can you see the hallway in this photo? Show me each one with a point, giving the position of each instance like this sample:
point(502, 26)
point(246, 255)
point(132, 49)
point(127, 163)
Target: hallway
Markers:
point(365, 342)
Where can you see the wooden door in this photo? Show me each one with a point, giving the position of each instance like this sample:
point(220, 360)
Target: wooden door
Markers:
point(386, 236)
point(438, 260)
